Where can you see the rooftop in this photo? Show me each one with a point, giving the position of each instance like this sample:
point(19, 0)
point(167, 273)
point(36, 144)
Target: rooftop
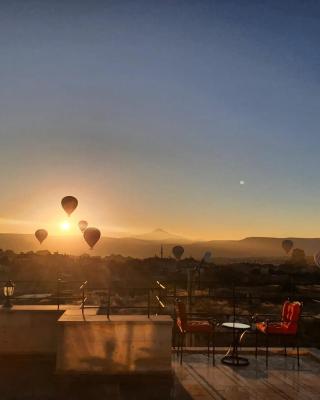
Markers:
point(88, 352)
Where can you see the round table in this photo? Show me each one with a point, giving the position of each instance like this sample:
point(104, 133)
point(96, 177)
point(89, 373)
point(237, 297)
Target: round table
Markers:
point(232, 356)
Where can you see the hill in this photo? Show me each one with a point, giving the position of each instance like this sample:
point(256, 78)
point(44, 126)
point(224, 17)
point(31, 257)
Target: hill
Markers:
point(248, 248)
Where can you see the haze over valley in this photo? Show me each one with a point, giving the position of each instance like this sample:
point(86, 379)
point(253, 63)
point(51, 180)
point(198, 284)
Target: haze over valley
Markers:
point(149, 245)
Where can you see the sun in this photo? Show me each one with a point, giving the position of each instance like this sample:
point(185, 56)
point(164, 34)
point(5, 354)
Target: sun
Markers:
point(65, 226)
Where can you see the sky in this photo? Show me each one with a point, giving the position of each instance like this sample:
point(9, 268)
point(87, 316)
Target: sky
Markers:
point(198, 117)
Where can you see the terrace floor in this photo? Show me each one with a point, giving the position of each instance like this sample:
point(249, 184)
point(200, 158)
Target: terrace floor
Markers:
point(26, 378)
point(282, 379)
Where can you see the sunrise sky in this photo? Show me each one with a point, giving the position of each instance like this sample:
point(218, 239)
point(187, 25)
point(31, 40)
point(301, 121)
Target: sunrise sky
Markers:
point(199, 117)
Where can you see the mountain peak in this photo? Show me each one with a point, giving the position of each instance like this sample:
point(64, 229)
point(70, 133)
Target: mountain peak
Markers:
point(160, 235)
point(160, 230)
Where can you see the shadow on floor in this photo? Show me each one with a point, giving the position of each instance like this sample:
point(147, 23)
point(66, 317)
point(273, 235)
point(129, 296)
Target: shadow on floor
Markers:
point(26, 378)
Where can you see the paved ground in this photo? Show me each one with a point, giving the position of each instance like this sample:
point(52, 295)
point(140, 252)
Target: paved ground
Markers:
point(34, 379)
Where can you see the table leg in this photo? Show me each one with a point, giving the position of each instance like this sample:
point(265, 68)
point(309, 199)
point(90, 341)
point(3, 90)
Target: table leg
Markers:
point(232, 356)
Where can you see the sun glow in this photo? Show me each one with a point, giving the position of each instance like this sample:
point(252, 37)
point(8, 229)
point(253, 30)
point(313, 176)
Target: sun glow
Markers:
point(65, 226)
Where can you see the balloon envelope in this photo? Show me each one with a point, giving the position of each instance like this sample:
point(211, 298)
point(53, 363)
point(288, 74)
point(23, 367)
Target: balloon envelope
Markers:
point(207, 256)
point(83, 225)
point(91, 236)
point(41, 235)
point(316, 258)
point(177, 251)
point(287, 245)
point(69, 204)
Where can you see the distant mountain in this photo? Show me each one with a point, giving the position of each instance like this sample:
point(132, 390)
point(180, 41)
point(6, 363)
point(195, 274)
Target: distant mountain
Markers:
point(256, 247)
point(161, 235)
point(141, 246)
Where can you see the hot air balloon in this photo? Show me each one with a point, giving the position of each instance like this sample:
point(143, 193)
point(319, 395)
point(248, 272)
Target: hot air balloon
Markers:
point(177, 251)
point(316, 258)
point(207, 256)
point(91, 236)
point(69, 204)
point(287, 245)
point(41, 235)
point(83, 225)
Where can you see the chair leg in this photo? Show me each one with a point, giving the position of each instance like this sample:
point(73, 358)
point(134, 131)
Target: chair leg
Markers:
point(213, 348)
point(181, 348)
point(256, 343)
point(298, 352)
point(208, 345)
point(267, 350)
point(177, 345)
point(285, 346)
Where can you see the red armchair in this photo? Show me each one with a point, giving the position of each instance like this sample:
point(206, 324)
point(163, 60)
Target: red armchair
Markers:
point(286, 328)
point(185, 324)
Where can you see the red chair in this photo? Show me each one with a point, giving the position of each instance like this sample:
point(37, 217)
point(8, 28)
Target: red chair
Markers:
point(286, 328)
point(185, 324)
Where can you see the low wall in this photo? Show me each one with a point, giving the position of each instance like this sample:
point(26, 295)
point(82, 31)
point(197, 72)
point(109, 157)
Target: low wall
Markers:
point(125, 344)
point(29, 330)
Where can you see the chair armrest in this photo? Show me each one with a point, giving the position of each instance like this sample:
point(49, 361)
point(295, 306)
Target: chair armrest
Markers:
point(272, 321)
point(195, 318)
point(263, 317)
point(214, 322)
point(204, 314)
point(198, 316)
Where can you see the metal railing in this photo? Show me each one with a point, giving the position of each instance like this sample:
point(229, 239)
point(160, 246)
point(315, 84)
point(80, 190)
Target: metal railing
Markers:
point(242, 304)
point(183, 288)
point(63, 294)
point(155, 299)
point(83, 296)
point(235, 302)
point(47, 292)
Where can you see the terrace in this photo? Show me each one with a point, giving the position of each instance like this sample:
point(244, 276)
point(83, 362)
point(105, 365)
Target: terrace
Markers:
point(125, 337)
point(35, 378)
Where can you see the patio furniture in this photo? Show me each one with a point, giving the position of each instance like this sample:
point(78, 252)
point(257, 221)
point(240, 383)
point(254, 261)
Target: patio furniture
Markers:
point(185, 324)
point(285, 328)
point(232, 356)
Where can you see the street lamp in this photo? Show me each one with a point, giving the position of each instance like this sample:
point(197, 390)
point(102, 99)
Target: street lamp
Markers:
point(8, 291)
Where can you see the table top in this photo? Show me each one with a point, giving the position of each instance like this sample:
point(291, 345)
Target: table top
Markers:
point(235, 325)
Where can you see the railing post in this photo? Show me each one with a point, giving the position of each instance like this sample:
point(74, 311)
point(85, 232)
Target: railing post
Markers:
point(159, 301)
point(234, 302)
point(58, 293)
point(108, 304)
point(84, 299)
point(149, 302)
point(189, 291)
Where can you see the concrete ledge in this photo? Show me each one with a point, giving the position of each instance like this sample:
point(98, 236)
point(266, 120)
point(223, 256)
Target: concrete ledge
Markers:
point(29, 330)
point(125, 344)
